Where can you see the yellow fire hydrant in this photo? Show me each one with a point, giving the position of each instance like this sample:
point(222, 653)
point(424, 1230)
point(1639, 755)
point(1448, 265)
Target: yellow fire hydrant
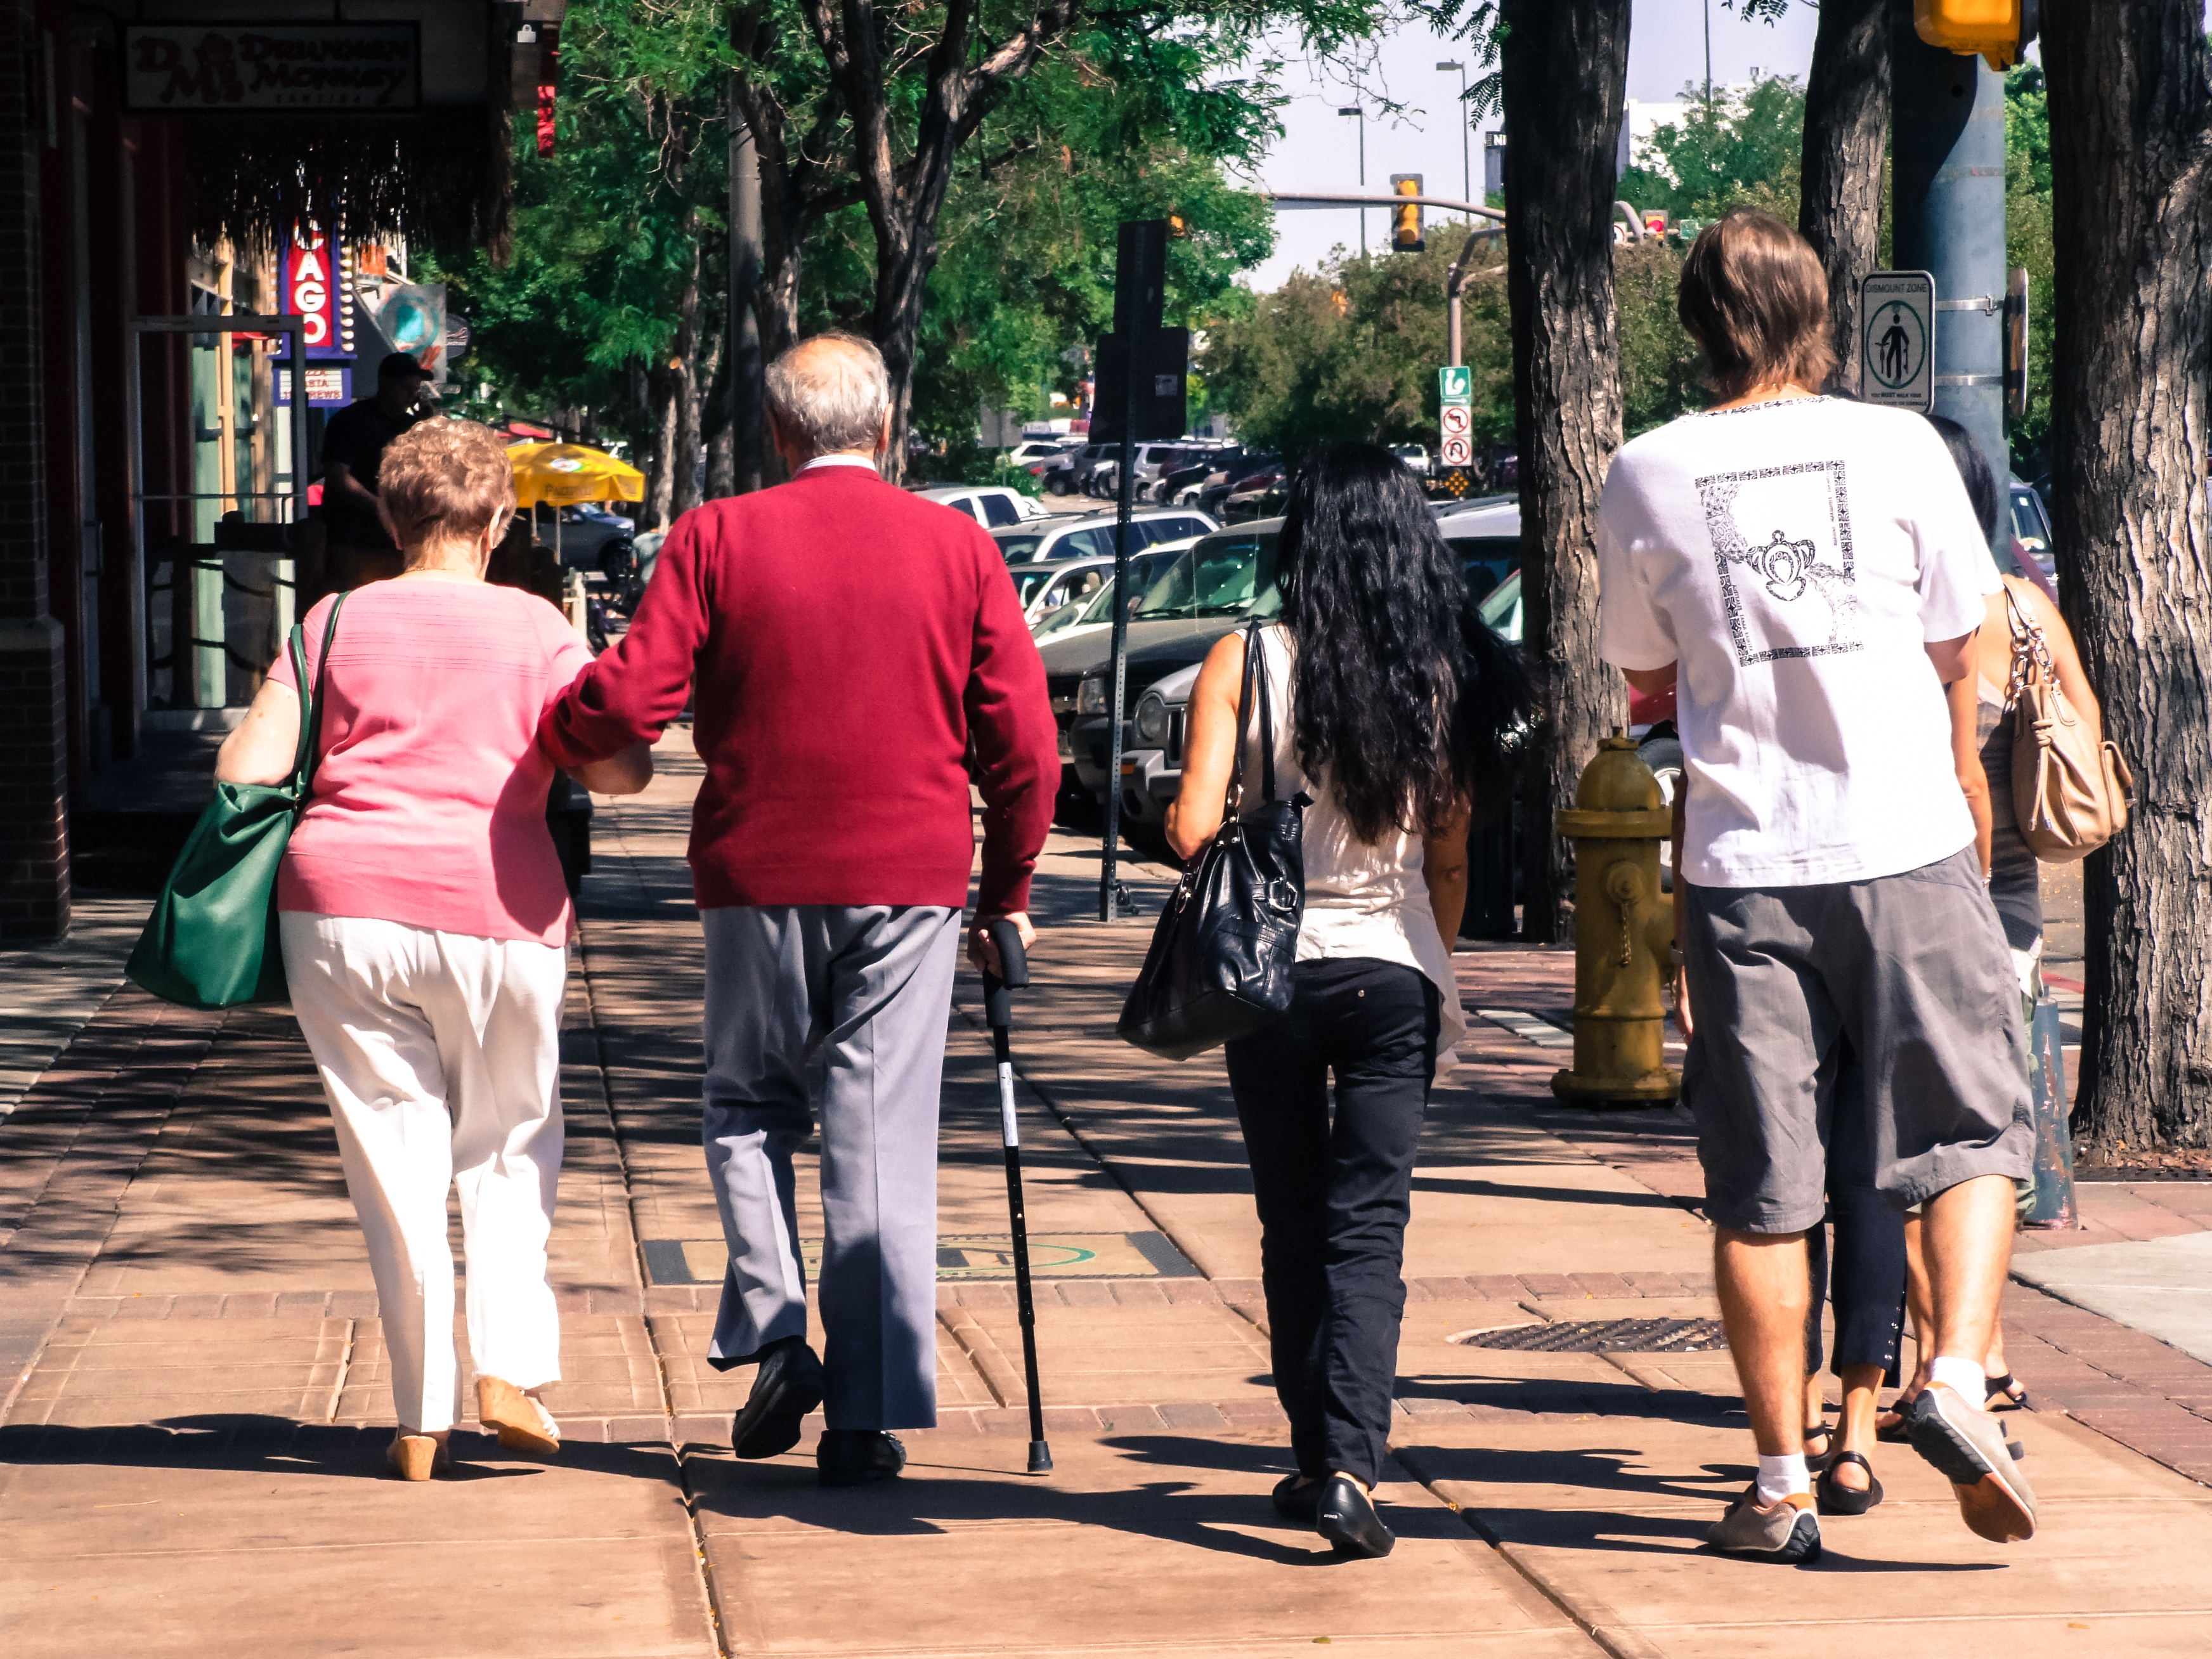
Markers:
point(1623, 931)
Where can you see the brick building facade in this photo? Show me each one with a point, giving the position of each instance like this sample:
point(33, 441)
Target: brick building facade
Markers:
point(111, 214)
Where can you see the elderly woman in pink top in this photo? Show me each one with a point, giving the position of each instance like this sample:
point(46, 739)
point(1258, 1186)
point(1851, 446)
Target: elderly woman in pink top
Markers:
point(425, 926)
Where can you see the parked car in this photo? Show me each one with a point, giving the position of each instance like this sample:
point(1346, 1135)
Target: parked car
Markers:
point(1487, 537)
point(1415, 457)
point(587, 537)
point(1040, 449)
point(1070, 472)
point(1094, 613)
point(1091, 535)
point(2030, 528)
point(1105, 473)
point(1183, 483)
point(1044, 587)
point(989, 505)
point(1197, 597)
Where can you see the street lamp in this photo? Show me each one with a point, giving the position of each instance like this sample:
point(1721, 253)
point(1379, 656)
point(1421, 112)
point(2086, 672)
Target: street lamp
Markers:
point(1359, 115)
point(1466, 159)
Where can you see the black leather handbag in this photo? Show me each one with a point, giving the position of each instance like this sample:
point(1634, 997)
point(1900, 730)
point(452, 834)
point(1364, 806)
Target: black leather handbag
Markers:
point(1219, 966)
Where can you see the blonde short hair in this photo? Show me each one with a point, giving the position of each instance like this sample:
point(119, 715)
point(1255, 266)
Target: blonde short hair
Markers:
point(830, 392)
point(443, 480)
point(1755, 299)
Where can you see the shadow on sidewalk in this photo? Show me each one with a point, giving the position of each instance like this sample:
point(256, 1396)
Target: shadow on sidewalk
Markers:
point(276, 1445)
point(933, 1498)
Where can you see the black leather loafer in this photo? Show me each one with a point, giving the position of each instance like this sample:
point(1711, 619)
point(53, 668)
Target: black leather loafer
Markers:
point(1298, 1502)
point(1346, 1518)
point(852, 1457)
point(787, 1386)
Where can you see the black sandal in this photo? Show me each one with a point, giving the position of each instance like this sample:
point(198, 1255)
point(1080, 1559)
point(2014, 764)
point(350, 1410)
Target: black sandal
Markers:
point(1833, 1500)
point(2004, 1394)
point(1898, 1431)
point(1826, 1432)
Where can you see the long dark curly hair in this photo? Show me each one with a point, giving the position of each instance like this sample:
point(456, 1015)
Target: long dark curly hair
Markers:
point(1398, 690)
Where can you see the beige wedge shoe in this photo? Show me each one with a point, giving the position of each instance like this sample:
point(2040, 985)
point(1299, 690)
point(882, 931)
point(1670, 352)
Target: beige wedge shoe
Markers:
point(523, 1424)
point(417, 1457)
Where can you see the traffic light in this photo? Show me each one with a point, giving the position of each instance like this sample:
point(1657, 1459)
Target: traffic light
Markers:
point(1406, 221)
point(1998, 29)
point(1178, 227)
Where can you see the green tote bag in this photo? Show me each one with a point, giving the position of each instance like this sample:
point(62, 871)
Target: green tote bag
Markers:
point(212, 940)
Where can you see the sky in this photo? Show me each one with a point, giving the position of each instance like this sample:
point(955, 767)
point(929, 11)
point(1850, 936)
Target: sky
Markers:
point(1319, 148)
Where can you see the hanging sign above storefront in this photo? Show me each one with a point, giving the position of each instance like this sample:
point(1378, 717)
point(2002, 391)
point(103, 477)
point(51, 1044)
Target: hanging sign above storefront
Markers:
point(315, 290)
point(244, 68)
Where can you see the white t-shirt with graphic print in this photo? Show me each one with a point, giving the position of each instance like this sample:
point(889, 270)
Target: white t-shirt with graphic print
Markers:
point(1793, 558)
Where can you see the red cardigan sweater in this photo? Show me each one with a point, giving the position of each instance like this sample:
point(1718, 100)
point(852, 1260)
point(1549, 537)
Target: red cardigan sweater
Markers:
point(848, 641)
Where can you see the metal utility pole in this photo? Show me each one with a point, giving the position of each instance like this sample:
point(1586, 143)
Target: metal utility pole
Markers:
point(1455, 284)
point(1947, 148)
point(1466, 152)
point(1139, 299)
point(1359, 114)
point(1709, 58)
point(748, 442)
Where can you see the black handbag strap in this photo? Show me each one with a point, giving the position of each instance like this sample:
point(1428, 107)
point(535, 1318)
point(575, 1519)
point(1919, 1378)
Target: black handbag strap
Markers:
point(304, 759)
point(1255, 669)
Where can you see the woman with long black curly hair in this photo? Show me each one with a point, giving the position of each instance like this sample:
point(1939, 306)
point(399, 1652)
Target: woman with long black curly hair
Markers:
point(1395, 698)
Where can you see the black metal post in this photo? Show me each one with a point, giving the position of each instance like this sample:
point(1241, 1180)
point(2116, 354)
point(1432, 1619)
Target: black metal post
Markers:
point(1131, 359)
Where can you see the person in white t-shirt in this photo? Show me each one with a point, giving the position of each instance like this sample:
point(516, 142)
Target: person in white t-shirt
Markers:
point(1808, 573)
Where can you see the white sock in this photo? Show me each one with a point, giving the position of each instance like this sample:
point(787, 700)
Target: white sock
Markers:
point(1964, 1377)
point(1778, 1477)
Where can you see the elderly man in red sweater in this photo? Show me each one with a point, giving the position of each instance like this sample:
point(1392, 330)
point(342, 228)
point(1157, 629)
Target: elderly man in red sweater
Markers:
point(847, 643)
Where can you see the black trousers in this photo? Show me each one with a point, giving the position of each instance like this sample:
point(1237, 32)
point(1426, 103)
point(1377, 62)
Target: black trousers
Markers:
point(1335, 1194)
point(1867, 1268)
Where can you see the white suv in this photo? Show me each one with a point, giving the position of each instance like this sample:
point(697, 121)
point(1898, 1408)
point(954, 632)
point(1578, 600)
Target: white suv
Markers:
point(991, 506)
point(1090, 536)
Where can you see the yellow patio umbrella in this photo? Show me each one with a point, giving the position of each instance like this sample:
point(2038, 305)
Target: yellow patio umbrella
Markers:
point(563, 475)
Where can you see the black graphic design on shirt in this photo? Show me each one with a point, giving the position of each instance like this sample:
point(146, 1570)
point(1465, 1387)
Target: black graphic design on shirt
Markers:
point(1782, 539)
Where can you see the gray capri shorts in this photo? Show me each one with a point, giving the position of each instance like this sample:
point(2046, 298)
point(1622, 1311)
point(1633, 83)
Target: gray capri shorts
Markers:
point(1906, 976)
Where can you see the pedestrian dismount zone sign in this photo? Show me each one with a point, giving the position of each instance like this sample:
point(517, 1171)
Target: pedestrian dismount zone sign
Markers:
point(1897, 341)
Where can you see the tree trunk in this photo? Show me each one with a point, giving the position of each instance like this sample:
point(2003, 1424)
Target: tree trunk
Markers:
point(660, 470)
point(1846, 129)
point(685, 494)
point(720, 436)
point(1564, 66)
point(2131, 143)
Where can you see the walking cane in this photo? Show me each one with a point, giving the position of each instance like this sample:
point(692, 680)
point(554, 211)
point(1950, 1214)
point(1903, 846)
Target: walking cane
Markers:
point(998, 1010)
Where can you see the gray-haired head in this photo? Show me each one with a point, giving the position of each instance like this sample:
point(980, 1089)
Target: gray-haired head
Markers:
point(829, 393)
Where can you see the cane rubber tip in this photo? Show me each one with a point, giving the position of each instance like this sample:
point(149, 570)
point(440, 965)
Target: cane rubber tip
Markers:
point(1040, 1458)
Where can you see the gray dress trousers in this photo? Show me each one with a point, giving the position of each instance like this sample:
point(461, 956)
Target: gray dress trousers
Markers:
point(842, 1008)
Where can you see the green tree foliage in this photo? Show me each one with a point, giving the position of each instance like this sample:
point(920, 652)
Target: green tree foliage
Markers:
point(2028, 243)
point(608, 231)
point(1351, 351)
point(1739, 151)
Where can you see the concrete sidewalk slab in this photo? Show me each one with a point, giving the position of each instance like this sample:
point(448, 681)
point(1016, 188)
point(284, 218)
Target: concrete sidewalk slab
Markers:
point(2162, 1286)
point(1136, 1544)
point(273, 1544)
point(1612, 1521)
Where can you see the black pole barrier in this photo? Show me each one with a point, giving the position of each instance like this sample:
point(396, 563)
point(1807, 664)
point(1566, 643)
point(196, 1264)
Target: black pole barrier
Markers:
point(998, 1011)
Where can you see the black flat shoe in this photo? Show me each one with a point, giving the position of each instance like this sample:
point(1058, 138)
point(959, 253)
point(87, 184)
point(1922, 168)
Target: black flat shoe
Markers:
point(2006, 1394)
point(1346, 1518)
point(1835, 1499)
point(1297, 1497)
point(854, 1457)
point(787, 1386)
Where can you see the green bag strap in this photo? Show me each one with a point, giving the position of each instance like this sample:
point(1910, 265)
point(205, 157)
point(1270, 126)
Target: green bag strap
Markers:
point(309, 752)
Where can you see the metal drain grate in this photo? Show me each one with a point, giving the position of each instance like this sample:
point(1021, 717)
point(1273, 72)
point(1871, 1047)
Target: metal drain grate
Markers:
point(1606, 1336)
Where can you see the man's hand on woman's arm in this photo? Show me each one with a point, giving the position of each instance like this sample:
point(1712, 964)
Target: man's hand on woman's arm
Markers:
point(625, 774)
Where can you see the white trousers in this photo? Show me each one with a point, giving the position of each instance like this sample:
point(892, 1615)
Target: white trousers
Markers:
point(441, 1053)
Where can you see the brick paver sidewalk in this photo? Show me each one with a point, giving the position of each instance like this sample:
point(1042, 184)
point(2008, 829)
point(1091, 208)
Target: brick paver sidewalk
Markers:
point(196, 1405)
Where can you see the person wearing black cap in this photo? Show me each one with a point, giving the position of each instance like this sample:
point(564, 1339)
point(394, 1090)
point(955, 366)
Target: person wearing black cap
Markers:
point(353, 447)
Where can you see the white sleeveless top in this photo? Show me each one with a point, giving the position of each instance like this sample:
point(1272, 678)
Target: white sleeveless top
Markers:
point(1362, 899)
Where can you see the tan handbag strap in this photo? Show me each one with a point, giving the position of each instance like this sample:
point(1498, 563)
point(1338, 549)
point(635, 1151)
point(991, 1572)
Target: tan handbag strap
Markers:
point(2031, 651)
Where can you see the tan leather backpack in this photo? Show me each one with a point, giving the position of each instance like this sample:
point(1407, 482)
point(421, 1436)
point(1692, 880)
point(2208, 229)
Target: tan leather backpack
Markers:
point(2069, 787)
